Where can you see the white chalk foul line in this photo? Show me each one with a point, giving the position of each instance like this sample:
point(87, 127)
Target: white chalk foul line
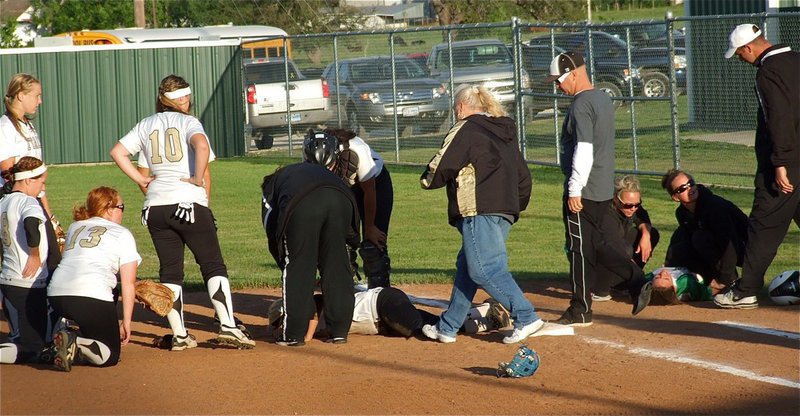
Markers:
point(761, 329)
point(722, 368)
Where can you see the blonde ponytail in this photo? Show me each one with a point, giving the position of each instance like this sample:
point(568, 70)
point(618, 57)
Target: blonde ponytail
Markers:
point(480, 99)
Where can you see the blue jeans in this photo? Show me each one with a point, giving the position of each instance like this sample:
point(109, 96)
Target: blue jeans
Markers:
point(483, 262)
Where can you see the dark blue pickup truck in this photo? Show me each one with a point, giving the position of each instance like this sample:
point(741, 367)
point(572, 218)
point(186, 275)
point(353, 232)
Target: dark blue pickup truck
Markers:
point(611, 77)
point(653, 63)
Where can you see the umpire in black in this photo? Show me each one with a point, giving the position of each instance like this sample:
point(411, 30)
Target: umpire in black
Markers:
point(777, 198)
point(310, 216)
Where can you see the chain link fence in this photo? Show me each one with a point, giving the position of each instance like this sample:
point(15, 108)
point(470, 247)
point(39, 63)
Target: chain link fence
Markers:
point(678, 101)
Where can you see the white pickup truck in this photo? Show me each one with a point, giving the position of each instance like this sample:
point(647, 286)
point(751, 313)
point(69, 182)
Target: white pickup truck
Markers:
point(265, 88)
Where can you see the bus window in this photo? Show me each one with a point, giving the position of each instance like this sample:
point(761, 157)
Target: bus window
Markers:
point(259, 53)
point(247, 53)
point(274, 52)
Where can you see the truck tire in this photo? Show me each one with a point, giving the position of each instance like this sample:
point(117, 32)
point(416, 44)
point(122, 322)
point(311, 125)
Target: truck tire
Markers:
point(612, 90)
point(265, 139)
point(655, 84)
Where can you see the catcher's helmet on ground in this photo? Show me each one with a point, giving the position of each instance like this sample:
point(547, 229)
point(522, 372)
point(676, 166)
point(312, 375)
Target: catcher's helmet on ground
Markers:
point(785, 288)
point(320, 148)
point(524, 364)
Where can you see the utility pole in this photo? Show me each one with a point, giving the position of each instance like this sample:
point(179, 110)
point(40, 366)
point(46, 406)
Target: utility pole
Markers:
point(589, 11)
point(138, 13)
point(154, 23)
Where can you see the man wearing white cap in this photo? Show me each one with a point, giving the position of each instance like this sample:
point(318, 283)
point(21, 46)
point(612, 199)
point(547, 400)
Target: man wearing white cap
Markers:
point(777, 199)
point(587, 161)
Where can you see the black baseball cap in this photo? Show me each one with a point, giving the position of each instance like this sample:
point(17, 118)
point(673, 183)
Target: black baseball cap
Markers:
point(563, 64)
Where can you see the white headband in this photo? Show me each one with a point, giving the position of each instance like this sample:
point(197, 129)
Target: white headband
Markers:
point(30, 173)
point(174, 95)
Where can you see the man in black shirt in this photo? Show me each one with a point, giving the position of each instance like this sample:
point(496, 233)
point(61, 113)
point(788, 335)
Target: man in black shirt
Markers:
point(777, 199)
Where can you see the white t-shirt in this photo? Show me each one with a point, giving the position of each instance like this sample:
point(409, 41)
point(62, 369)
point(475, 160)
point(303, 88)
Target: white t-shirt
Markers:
point(365, 313)
point(164, 142)
point(370, 163)
point(96, 249)
point(14, 208)
point(15, 145)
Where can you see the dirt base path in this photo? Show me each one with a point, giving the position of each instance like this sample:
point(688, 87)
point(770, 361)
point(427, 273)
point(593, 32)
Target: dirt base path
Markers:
point(691, 358)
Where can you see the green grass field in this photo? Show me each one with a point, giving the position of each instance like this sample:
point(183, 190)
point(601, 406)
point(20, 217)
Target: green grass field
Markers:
point(423, 246)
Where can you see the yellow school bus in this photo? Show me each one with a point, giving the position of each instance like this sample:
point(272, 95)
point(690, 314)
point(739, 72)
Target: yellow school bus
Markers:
point(257, 41)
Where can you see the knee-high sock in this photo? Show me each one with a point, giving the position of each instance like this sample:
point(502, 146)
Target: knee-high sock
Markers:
point(219, 290)
point(8, 353)
point(175, 316)
point(93, 351)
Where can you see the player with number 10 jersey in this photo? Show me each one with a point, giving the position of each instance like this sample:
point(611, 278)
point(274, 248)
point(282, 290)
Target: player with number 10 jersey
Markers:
point(174, 153)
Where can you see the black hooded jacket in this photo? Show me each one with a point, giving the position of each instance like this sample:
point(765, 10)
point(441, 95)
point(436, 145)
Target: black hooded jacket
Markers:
point(482, 168)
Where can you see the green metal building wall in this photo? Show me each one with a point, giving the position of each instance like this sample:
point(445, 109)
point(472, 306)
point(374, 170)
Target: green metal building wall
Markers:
point(92, 96)
point(714, 102)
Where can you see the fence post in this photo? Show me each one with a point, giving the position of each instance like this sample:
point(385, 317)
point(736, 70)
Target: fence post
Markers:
point(673, 97)
point(336, 76)
point(556, 130)
point(518, 98)
point(632, 104)
point(288, 95)
point(394, 99)
point(450, 69)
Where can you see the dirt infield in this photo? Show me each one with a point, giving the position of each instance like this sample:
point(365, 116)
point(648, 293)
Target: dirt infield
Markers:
point(669, 359)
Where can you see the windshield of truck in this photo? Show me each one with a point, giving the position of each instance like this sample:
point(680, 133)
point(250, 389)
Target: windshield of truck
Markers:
point(476, 55)
point(269, 73)
point(382, 70)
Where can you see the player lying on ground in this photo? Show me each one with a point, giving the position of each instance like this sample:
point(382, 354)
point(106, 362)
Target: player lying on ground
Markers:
point(672, 285)
point(389, 312)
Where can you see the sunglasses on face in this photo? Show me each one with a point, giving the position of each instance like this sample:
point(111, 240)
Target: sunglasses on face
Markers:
point(630, 206)
point(121, 207)
point(681, 189)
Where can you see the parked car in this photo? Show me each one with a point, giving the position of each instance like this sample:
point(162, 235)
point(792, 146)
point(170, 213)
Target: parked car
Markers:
point(611, 77)
point(485, 62)
point(265, 89)
point(365, 90)
point(608, 50)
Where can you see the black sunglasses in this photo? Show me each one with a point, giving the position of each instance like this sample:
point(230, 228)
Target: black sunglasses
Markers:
point(681, 189)
point(121, 207)
point(630, 206)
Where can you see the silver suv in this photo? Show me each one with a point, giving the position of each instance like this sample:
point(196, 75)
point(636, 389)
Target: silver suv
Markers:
point(485, 62)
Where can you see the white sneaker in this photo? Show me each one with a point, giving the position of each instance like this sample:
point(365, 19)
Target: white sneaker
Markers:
point(521, 333)
point(729, 300)
point(601, 298)
point(432, 332)
point(183, 343)
point(235, 337)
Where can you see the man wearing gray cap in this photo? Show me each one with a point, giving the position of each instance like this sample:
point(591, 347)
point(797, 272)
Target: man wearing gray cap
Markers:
point(587, 161)
point(777, 199)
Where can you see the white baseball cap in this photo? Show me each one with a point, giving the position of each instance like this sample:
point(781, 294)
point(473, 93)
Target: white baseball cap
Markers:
point(742, 35)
